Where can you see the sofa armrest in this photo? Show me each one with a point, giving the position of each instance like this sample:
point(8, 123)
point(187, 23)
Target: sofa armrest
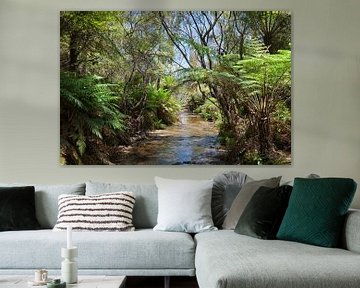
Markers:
point(351, 234)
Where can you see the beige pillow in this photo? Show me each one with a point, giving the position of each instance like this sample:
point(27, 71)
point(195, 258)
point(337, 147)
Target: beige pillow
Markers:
point(243, 198)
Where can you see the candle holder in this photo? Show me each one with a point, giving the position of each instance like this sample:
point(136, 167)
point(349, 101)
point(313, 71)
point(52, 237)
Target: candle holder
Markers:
point(69, 271)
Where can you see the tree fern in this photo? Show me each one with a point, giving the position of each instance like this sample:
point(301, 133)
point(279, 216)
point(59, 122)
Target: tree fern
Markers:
point(87, 106)
point(264, 76)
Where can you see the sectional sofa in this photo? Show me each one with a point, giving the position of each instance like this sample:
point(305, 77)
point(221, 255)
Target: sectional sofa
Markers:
point(218, 259)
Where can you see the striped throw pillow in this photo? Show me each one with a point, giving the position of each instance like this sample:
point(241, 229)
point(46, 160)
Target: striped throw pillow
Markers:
point(105, 212)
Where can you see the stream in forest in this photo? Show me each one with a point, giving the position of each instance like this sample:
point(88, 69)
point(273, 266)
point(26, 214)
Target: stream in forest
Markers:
point(190, 141)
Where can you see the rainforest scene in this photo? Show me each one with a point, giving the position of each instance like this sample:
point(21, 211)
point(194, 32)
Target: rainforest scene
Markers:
point(175, 88)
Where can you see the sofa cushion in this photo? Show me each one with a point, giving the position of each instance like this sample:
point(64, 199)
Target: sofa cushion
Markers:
point(225, 189)
point(46, 200)
point(105, 212)
point(17, 208)
point(137, 250)
point(184, 205)
point(317, 209)
point(146, 205)
point(263, 214)
point(225, 259)
point(243, 198)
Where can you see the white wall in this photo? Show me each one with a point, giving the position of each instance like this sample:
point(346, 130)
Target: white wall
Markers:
point(326, 91)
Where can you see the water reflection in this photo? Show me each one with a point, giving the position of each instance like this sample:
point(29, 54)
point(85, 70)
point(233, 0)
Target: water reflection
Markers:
point(191, 141)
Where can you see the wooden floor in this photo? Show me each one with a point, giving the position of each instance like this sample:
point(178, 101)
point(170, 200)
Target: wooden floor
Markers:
point(158, 282)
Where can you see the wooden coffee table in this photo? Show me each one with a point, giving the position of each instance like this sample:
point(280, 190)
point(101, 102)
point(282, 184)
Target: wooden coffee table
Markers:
point(84, 281)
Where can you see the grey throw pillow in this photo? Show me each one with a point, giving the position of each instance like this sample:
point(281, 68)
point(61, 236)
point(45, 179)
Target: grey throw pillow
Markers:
point(146, 205)
point(226, 187)
point(46, 201)
point(310, 176)
point(242, 199)
point(184, 205)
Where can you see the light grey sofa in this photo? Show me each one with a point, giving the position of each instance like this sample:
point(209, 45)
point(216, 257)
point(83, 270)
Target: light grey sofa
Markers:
point(143, 252)
point(219, 259)
point(225, 259)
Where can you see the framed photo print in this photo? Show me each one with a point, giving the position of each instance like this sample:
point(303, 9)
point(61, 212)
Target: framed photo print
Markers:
point(175, 87)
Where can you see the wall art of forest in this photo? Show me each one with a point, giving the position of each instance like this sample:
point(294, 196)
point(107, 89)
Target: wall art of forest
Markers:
point(175, 87)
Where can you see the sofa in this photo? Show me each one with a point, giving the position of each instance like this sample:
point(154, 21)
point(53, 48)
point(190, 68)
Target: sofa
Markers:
point(218, 259)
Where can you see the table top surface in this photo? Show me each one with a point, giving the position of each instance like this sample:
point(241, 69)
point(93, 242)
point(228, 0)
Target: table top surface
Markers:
point(84, 281)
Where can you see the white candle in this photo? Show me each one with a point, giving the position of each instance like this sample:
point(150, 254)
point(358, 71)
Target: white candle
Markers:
point(69, 237)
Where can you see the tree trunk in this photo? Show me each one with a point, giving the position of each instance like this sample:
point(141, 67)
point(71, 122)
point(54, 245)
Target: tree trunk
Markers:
point(269, 42)
point(73, 53)
point(263, 125)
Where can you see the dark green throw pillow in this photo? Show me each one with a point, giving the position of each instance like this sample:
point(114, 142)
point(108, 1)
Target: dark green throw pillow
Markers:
point(263, 214)
point(316, 211)
point(17, 208)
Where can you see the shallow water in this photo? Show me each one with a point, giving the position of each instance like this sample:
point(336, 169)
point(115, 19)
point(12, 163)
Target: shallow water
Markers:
point(191, 141)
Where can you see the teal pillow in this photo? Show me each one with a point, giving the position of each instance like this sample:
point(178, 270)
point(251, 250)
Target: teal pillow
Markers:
point(316, 211)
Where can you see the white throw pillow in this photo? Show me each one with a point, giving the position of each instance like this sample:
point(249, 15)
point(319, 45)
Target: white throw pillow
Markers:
point(104, 212)
point(184, 205)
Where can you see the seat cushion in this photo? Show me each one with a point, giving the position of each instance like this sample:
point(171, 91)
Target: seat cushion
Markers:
point(225, 259)
point(143, 249)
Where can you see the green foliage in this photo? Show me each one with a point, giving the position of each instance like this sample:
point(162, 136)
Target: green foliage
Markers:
point(161, 108)
point(194, 101)
point(265, 73)
point(85, 39)
point(272, 28)
point(250, 95)
point(169, 82)
point(282, 112)
point(209, 110)
point(253, 157)
point(282, 127)
point(87, 107)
